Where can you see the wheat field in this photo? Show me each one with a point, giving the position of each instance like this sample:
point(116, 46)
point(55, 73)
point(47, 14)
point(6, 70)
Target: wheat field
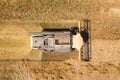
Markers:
point(19, 62)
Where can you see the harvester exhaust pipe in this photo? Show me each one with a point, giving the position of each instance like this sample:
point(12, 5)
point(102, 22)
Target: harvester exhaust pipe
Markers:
point(85, 51)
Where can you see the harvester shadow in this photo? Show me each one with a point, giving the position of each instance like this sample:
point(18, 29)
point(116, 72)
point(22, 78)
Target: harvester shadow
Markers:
point(37, 55)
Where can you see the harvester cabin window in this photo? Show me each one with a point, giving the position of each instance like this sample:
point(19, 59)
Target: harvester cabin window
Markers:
point(62, 42)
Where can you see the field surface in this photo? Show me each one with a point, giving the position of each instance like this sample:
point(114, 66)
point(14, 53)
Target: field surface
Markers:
point(19, 62)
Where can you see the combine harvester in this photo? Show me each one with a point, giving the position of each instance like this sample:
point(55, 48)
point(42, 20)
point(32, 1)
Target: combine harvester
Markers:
point(64, 40)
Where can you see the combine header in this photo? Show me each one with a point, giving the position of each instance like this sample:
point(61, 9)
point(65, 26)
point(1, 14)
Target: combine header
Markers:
point(85, 32)
point(61, 40)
